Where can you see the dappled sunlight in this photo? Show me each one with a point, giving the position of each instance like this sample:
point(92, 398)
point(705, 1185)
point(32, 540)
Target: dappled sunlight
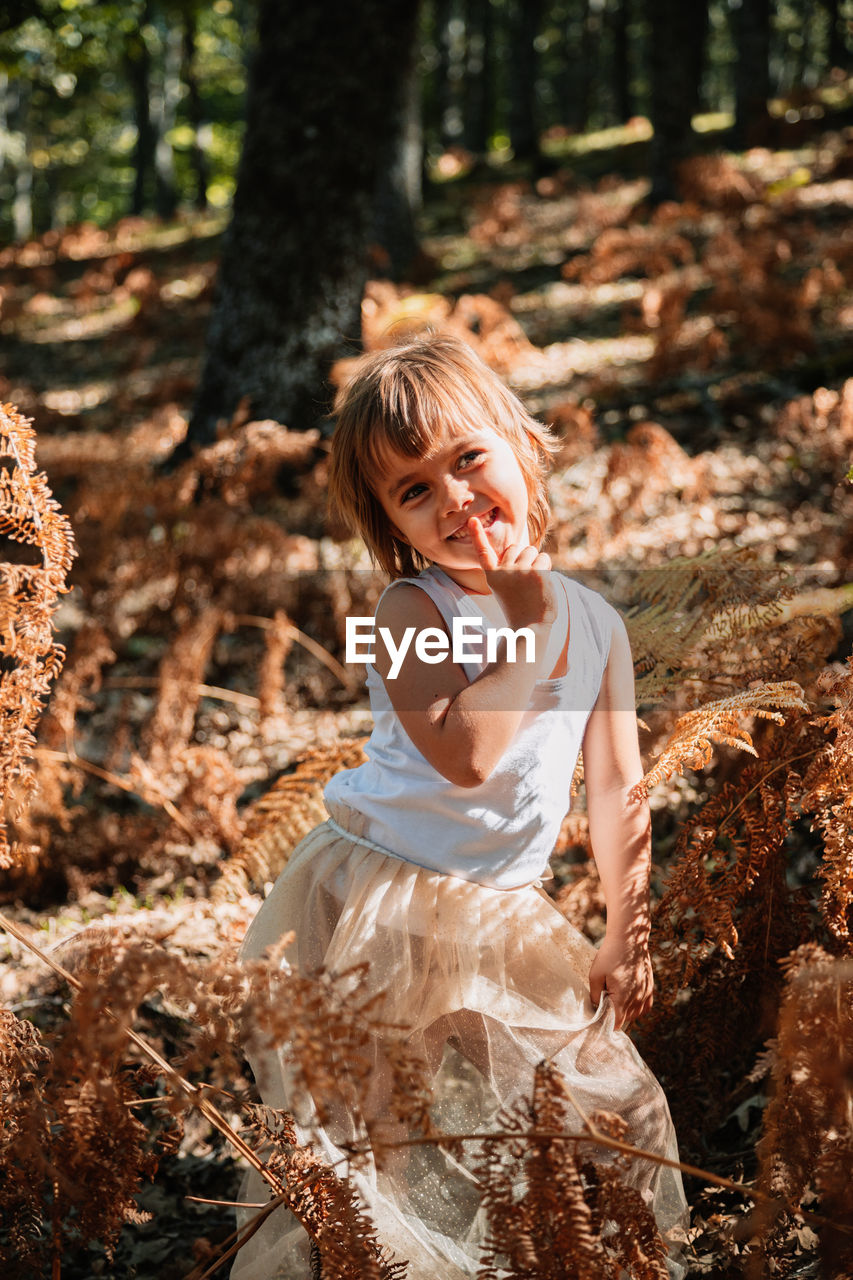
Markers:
point(96, 324)
point(76, 399)
point(558, 364)
point(693, 362)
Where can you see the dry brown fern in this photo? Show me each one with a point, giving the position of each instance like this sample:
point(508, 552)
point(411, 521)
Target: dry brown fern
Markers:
point(181, 673)
point(31, 518)
point(828, 787)
point(283, 815)
point(343, 1241)
point(248, 460)
point(278, 643)
point(72, 1149)
point(682, 619)
point(690, 744)
point(71, 1131)
point(728, 914)
point(808, 1125)
point(81, 676)
point(547, 1201)
point(645, 251)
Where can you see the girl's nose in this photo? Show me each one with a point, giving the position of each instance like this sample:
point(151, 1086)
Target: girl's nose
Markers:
point(457, 494)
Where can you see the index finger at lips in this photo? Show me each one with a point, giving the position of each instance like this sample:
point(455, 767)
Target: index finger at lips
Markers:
point(485, 551)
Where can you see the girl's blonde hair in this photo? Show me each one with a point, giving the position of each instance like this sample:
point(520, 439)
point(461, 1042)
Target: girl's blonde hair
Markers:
point(404, 398)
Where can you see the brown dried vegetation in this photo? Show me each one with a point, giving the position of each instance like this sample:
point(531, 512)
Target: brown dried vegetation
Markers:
point(202, 706)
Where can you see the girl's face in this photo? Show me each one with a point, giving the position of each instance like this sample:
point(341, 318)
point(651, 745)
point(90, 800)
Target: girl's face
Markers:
point(429, 500)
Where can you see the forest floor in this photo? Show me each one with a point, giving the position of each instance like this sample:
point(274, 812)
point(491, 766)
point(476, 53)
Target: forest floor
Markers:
point(693, 359)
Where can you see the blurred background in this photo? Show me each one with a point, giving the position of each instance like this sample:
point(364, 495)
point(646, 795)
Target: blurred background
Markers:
point(138, 107)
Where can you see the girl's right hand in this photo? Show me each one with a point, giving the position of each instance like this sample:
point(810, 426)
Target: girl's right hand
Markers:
point(519, 578)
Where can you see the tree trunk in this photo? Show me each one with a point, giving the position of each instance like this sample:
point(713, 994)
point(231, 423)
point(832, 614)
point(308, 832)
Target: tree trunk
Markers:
point(479, 75)
point(446, 84)
point(675, 53)
point(164, 105)
point(752, 72)
point(17, 110)
point(322, 105)
point(194, 108)
point(14, 110)
point(137, 60)
point(577, 79)
point(399, 189)
point(696, 53)
point(523, 122)
point(837, 52)
point(623, 97)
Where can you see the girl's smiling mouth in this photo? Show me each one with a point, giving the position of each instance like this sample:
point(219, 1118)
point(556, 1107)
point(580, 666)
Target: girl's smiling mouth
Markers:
point(486, 518)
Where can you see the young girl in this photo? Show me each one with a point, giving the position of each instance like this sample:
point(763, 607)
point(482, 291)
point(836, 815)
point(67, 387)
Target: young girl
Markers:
point(430, 866)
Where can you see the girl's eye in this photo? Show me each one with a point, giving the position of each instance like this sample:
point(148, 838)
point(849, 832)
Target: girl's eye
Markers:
point(467, 459)
point(412, 493)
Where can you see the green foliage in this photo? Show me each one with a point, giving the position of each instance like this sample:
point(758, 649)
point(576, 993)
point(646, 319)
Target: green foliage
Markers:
point(73, 127)
point(70, 122)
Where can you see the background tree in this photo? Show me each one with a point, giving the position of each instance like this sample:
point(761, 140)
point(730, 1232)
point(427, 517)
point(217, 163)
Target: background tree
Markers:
point(837, 51)
point(117, 117)
point(137, 58)
point(294, 258)
point(399, 188)
point(195, 107)
point(526, 20)
point(116, 105)
point(752, 71)
point(479, 75)
point(676, 59)
point(622, 67)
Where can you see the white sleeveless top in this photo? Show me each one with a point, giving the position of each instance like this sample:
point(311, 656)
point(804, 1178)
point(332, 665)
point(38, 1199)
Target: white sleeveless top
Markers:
point(501, 832)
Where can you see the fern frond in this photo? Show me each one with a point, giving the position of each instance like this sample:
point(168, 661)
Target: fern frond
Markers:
point(29, 515)
point(828, 795)
point(284, 815)
point(181, 674)
point(278, 643)
point(682, 618)
point(808, 1125)
point(690, 746)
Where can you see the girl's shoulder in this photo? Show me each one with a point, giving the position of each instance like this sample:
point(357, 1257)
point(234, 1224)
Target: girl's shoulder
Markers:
point(421, 602)
point(593, 622)
point(590, 604)
point(427, 580)
point(448, 598)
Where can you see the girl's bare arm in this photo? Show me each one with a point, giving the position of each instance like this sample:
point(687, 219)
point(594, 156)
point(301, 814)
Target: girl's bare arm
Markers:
point(620, 832)
point(464, 728)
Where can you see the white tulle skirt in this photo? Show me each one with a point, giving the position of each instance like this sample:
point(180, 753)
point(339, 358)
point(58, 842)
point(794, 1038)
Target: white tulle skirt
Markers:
point(489, 982)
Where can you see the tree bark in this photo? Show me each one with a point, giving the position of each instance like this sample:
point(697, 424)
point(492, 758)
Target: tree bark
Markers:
point(523, 121)
point(623, 96)
point(479, 75)
point(194, 108)
point(752, 72)
point(838, 52)
point(137, 60)
point(676, 52)
point(578, 47)
point(322, 103)
point(446, 82)
point(17, 110)
point(164, 105)
point(399, 191)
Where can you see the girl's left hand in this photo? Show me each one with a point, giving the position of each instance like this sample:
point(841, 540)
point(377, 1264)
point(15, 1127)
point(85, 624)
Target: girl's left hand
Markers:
point(623, 969)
